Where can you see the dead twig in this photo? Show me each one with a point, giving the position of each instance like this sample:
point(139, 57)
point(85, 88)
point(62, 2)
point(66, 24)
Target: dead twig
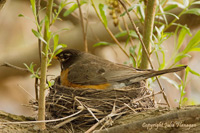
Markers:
point(65, 122)
point(83, 27)
point(46, 121)
point(5, 64)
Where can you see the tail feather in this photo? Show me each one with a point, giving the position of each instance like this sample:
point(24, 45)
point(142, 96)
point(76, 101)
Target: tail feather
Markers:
point(151, 74)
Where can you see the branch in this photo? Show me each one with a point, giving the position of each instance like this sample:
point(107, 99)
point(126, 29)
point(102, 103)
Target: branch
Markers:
point(83, 28)
point(41, 103)
point(5, 64)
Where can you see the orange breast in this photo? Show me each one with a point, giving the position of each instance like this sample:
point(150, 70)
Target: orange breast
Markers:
point(65, 82)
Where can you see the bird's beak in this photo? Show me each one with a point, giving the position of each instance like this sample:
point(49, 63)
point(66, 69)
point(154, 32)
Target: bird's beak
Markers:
point(56, 57)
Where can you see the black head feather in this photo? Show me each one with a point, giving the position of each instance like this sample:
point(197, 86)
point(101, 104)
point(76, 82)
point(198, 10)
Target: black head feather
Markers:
point(67, 57)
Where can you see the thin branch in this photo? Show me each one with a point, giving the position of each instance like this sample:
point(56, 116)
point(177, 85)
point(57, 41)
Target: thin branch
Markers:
point(136, 14)
point(130, 108)
point(128, 31)
point(44, 65)
point(5, 64)
point(44, 121)
point(65, 122)
point(25, 90)
point(36, 88)
point(38, 21)
point(83, 28)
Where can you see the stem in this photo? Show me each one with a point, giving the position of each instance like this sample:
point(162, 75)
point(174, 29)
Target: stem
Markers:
point(39, 44)
point(44, 60)
point(109, 31)
point(148, 30)
point(38, 22)
point(83, 28)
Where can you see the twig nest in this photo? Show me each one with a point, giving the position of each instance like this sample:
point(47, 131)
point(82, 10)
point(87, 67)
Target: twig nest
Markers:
point(96, 104)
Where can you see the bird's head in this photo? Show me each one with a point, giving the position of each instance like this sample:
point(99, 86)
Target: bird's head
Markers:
point(67, 57)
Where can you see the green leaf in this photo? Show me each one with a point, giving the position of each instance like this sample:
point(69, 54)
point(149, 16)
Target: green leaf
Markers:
point(170, 7)
point(193, 43)
point(129, 9)
point(51, 83)
point(32, 66)
point(121, 34)
point(171, 14)
point(33, 7)
point(102, 44)
point(38, 35)
point(163, 64)
point(26, 66)
point(31, 69)
point(185, 99)
point(180, 5)
point(102, 13)
point(141, 12)
point(20, 15)
point(193, 72)
point(181, 38)
point(55, 39)
point(163, 14)
point(58, 51)
point(73, 8)
point(59, 47)
point(195, 11)
point(158, 32)
point(47, 25)
point(196, 3)
point(186, 3)
point(124, 33)
point(181, 56)
point(185, 27)
point(185, 77)
point(195, 49)
point(133, 34)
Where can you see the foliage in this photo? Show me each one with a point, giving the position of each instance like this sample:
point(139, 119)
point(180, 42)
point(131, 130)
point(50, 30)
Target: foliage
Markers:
point(160, 35)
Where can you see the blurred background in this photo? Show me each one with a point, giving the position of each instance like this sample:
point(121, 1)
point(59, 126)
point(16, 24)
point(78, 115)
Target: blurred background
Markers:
point(18, 45)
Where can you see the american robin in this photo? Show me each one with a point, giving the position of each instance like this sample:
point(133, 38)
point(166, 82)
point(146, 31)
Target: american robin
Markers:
point(84, 70)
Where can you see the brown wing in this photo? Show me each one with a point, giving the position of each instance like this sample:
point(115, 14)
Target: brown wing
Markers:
point(92, 70)
point(82, 74)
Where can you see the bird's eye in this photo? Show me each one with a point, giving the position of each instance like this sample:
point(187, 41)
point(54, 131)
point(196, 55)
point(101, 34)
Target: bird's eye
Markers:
point(68, 54)
point(65, 56)
point(61, 55)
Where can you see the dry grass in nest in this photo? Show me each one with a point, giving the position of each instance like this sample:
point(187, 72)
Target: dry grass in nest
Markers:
point(96, 106)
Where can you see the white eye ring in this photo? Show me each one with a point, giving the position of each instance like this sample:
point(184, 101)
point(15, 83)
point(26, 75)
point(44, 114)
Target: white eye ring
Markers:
point(68, 54)
point(63, 60)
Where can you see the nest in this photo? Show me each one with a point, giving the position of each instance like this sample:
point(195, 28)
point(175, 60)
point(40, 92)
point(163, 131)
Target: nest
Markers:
point(88, 106)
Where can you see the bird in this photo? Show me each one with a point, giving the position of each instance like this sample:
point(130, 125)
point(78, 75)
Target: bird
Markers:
point(84, 70)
